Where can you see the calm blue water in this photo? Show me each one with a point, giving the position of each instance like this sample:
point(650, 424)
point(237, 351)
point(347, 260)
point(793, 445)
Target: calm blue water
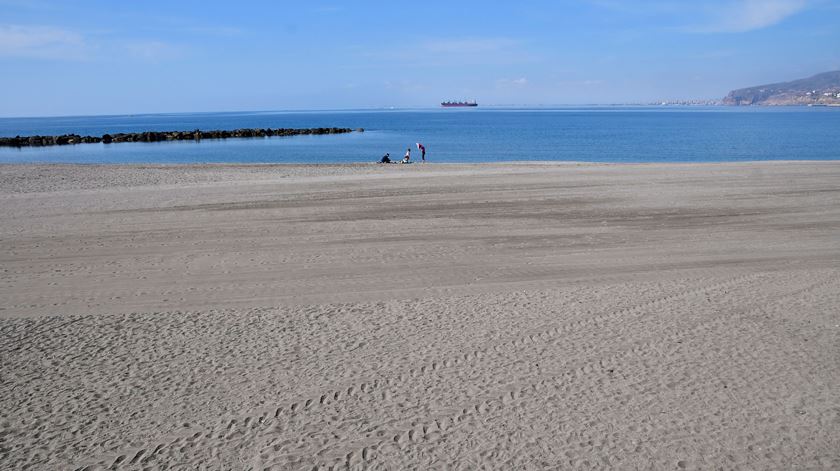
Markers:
point(600, 134)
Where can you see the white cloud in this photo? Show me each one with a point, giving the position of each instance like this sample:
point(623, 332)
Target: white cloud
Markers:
point(51, 43)
point(749, 15)
point(712, 16)
point(42, 42)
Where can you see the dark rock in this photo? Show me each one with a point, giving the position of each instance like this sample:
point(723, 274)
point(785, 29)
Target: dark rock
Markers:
point(154, 136)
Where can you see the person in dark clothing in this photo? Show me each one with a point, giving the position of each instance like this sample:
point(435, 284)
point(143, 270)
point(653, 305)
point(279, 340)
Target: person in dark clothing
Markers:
point(386, 159)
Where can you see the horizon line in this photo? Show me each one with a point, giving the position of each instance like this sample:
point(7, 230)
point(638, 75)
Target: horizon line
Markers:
point(685, 103)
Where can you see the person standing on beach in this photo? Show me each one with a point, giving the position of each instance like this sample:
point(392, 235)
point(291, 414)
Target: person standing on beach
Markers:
point(422, 152)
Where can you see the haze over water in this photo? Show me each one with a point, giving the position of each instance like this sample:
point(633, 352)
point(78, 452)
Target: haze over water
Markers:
point(594, 134)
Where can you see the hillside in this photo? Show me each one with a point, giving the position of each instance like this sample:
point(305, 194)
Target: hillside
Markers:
point(821, 89)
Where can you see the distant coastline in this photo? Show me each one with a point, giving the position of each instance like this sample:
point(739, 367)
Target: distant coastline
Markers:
point(819, 90)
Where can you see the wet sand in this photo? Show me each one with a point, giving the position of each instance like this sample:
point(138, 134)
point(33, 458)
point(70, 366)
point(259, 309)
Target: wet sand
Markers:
point(505, 316)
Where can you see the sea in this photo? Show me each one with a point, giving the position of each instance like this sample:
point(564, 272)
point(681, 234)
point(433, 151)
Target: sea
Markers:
point(582, 134)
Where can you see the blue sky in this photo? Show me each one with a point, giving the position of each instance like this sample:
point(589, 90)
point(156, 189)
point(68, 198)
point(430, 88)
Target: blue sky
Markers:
point(106, 57)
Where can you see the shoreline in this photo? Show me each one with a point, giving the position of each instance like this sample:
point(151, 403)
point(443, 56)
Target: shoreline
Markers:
point(176, 165)
point(25, 178)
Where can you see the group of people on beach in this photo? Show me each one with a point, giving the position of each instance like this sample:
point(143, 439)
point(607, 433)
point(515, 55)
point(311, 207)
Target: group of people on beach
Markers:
point(386, 159)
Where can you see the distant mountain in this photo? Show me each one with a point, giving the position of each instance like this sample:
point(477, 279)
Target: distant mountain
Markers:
point(821, 89)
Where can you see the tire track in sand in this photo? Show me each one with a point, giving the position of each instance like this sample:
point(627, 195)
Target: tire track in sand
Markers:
point(438, 427)
point(434, 367)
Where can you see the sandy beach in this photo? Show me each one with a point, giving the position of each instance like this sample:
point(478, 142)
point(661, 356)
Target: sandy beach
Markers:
point(491, 316)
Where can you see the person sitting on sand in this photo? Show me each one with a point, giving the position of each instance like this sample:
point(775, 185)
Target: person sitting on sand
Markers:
point(407, 157)
point(386, 159)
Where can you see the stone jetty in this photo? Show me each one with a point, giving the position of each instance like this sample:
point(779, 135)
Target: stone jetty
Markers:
point(161, 136)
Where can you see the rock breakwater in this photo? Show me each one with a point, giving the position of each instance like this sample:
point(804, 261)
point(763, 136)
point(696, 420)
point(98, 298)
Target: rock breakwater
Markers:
point(162, 136)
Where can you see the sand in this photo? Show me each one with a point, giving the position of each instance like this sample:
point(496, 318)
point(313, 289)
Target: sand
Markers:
point(494, 316)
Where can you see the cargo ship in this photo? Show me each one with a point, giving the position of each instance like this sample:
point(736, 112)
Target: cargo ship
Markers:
point(454, 104)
